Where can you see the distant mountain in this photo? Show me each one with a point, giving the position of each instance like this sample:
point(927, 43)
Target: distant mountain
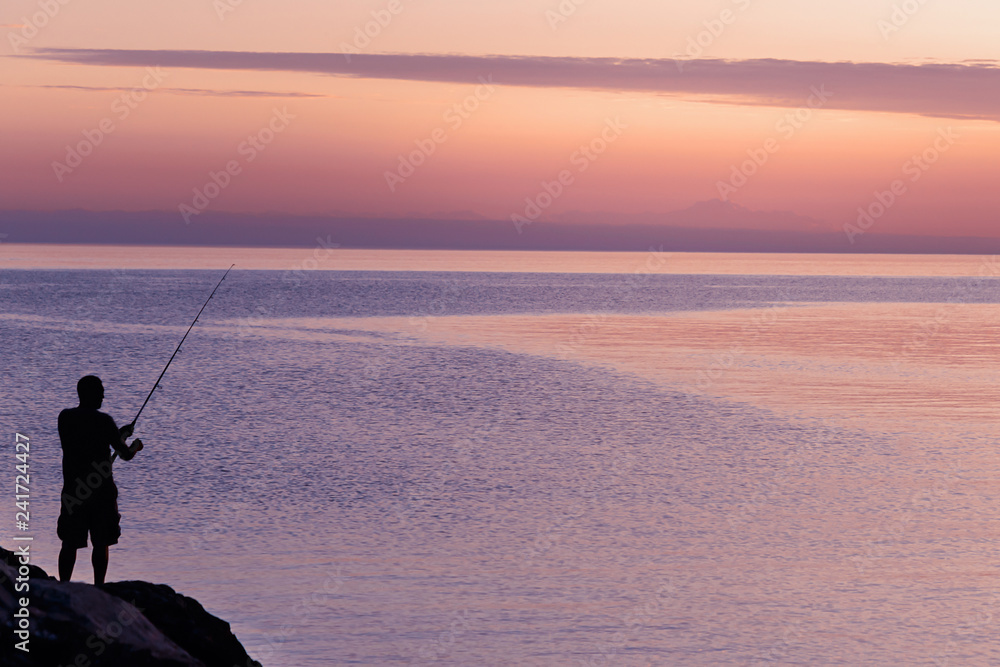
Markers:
point(452, 215)
point(710, 214)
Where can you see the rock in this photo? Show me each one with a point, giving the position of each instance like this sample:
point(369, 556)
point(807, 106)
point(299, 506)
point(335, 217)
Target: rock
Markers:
point(34, 572)
point(130, 623)
point(184, 621)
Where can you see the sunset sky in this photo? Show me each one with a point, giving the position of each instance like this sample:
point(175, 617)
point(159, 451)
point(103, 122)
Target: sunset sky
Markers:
point(829, 101)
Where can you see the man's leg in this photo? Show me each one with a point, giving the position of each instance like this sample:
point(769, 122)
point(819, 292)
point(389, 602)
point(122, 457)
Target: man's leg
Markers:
point(100, 561)
point(67, 560)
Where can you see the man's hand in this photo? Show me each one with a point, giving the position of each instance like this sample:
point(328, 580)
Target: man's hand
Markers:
point(126, 431)
point(131, 450)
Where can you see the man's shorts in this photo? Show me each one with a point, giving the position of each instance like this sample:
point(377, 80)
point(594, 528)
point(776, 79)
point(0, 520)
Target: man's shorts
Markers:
point(97, 515)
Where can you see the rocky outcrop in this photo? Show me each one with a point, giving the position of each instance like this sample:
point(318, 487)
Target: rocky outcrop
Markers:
point(185, 622)
point(34, 572)
point(130, 623)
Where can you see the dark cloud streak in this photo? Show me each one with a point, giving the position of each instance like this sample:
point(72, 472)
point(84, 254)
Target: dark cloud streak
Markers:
point(178, 91)
point(960, 90)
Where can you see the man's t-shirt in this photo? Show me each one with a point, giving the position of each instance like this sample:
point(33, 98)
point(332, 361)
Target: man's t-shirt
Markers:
point(87, 435)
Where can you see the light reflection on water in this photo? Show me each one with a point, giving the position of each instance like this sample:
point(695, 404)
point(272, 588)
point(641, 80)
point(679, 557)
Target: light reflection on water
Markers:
point(540, 487)
point(932, 364)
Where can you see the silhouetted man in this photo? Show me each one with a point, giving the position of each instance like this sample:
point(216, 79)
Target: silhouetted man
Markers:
point(89, 494)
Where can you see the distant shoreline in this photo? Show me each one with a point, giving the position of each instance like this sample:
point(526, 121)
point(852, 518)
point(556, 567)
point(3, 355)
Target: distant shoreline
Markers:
point(717, 228)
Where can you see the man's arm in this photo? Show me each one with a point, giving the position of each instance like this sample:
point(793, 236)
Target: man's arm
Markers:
point(125, 452)
point(65, 428)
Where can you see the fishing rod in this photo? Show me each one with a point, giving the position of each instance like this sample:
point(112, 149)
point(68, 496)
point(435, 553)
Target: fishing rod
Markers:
point(157, 383)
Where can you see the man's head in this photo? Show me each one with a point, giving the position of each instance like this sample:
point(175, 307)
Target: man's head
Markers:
point(91, 391)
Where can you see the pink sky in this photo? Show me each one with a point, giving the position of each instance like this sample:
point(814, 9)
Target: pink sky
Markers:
point(664, 131)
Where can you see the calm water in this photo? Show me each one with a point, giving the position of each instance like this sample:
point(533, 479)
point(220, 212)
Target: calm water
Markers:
point(404, 467)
